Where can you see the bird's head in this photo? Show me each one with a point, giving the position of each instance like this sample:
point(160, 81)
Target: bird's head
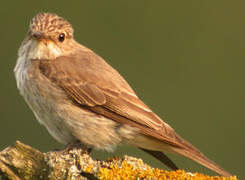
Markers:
point(48, 37)
point(50, 27)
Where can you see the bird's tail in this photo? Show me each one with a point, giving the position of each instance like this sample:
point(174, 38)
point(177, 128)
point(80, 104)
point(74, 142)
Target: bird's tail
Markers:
point(156, 147)
point(197, 156)
point(162, 157)
point(194, 154)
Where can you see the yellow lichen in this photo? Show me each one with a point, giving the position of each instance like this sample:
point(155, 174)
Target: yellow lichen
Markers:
point(89, 169)
point(125, 170)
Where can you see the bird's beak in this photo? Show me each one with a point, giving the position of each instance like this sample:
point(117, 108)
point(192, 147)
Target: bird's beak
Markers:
point(38, 35)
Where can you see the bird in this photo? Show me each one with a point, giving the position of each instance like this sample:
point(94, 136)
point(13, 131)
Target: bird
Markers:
point(78, 96)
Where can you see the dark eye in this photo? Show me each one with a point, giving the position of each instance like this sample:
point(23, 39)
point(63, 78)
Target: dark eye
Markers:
point(61, 37)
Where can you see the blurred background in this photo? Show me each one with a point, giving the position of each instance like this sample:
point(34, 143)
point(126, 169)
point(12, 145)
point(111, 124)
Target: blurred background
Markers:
point(185, 59)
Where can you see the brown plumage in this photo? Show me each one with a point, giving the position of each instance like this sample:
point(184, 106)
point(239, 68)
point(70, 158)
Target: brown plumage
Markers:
point(78, 96)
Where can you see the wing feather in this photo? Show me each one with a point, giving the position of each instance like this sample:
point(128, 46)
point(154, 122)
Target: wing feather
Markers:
point(91, 82)
point(85, 94)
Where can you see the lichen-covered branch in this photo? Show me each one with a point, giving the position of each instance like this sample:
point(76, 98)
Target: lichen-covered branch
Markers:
point(22, 162)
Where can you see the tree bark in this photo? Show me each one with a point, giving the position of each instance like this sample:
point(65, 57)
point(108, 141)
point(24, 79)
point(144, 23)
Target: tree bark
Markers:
point(22, 162)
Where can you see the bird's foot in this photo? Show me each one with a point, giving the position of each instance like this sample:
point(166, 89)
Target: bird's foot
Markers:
point(76, 145)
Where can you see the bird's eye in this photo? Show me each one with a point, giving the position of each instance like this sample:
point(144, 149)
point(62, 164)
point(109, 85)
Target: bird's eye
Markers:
point(61, 37)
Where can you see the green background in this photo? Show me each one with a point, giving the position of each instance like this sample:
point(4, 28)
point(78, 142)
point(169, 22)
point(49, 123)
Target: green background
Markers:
point(185, 59)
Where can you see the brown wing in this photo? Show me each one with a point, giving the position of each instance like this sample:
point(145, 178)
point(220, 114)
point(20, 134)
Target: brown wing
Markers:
point(91, 82)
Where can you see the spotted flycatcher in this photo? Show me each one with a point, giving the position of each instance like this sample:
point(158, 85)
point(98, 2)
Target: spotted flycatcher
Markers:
point(77, 96)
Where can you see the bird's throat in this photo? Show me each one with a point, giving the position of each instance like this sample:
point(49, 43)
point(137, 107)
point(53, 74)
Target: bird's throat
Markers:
point(40, 49)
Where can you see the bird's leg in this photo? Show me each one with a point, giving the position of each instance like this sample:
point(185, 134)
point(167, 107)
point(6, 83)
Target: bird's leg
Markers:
point(76, 145)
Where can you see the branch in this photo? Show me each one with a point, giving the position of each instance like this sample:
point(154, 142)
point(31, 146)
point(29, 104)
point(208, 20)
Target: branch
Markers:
point(22, 162)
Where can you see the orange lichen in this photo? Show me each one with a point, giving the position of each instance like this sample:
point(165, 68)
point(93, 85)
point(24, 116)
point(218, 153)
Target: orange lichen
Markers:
point(89, 169)
point(125, 170)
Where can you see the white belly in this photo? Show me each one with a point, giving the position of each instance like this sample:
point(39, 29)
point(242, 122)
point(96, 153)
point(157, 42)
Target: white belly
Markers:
point(38, 97)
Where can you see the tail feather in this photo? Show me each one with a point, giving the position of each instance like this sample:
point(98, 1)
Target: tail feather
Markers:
point(203, 160)
point(156, 147)
point(162, 157)
point(191, 152)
